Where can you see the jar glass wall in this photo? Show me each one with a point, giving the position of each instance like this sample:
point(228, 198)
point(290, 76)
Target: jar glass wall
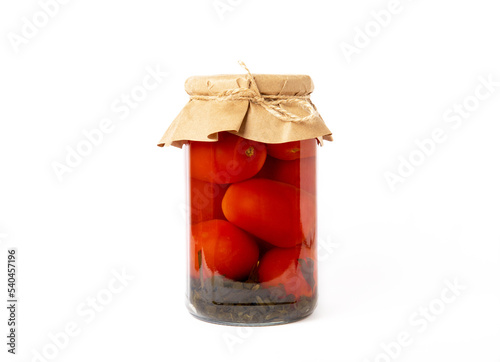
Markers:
point(252, 250)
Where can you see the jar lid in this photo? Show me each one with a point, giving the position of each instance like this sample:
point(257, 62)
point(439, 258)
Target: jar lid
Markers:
point(268, 108)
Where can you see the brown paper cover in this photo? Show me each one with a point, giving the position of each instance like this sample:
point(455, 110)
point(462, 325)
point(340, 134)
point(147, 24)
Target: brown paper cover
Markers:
point(201, 120)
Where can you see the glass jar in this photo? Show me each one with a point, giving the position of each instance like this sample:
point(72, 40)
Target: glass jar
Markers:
point(252, 245)
point(251, 156)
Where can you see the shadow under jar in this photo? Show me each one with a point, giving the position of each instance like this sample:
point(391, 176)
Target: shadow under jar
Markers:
point(252, 256)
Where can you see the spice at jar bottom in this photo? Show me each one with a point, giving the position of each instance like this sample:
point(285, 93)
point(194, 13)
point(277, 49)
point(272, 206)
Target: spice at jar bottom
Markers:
point(251, 156)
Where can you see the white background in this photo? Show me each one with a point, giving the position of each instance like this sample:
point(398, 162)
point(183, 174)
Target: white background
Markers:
point(388, 252)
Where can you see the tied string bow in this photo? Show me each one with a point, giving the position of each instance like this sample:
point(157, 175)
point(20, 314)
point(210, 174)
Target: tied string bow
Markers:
point(271, 103)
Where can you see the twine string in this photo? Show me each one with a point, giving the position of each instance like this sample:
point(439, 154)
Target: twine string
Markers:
point(271, 103)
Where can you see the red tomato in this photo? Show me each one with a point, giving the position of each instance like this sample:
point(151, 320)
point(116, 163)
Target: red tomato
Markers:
point(300, 173)
point(276, 212)
point(206, 200)
point(292, 150)
point(225, 249)
point(283, 266)
point(230, 159)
